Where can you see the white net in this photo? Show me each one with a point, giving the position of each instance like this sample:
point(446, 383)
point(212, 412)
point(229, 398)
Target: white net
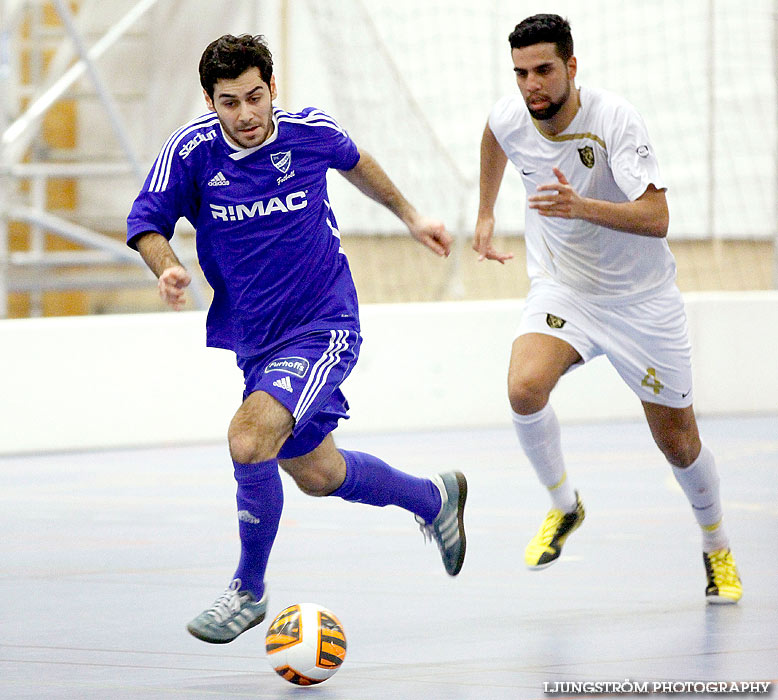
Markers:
point(377, 60)
point(413, 82)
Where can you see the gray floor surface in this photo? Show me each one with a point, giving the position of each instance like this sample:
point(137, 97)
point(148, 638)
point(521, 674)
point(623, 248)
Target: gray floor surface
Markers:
point(105, 556)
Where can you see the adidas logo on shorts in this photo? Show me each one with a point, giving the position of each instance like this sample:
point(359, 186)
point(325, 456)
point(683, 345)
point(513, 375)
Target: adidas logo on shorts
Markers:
point(284, 383)
point(218, 180)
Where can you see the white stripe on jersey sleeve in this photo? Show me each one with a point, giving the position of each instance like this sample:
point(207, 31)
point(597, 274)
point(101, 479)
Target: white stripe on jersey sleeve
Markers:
point(314, 118)
point(163, 154)
point(162, 165)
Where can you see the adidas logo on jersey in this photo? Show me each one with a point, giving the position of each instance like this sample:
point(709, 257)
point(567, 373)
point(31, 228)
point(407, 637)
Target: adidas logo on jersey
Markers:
point(218, 180)
point(284, 383)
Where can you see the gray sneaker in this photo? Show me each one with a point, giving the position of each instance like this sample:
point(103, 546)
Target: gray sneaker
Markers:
point(448, 528)
point(233, 612)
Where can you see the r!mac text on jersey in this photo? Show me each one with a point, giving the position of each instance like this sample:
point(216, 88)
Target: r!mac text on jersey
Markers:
point(293, 201)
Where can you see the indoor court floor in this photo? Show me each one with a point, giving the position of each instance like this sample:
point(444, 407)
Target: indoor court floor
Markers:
point(105, 556)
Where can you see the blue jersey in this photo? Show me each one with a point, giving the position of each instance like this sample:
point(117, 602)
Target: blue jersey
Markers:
point(267, 239)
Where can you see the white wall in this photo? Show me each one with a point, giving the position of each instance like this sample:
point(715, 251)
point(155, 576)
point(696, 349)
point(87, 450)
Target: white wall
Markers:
point(108, 381)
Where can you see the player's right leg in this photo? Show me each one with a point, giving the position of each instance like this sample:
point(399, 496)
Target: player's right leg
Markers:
point(538, 360)
point(257, 431)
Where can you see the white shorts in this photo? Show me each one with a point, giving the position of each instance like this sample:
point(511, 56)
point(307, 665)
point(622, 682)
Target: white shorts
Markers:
point(646, 342)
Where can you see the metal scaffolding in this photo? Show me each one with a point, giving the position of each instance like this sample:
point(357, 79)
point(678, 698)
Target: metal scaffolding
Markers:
point(102, 260)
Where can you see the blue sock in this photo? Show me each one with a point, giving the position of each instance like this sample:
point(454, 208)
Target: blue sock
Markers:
point(260, 502)
point(372, 481)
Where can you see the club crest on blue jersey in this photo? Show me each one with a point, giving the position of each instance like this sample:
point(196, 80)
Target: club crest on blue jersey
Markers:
point(298, 366)
point(281, 161)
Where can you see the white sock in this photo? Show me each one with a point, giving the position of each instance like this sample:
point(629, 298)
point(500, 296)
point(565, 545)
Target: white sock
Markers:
point(539, 437)
point(700, 483)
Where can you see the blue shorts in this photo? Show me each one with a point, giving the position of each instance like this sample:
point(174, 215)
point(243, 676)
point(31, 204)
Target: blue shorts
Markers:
point(304, 374)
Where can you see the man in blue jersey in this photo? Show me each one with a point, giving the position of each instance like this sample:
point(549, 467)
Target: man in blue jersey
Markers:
point(251, 178)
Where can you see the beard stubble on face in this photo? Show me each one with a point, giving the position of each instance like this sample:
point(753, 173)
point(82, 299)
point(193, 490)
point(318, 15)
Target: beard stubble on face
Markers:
point(551, 110)
point(250, 138)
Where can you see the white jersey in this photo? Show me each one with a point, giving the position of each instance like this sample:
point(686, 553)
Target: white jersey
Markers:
point(605, 154)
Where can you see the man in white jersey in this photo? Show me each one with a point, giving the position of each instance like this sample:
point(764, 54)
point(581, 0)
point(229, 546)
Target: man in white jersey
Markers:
point(602, 280)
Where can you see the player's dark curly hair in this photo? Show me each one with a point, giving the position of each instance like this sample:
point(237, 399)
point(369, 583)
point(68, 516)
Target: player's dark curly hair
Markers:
point(538, 29)
point(230, 56)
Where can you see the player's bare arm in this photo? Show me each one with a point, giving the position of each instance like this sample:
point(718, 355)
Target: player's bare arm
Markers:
point(371, 179)
point(646, 216)
point(172, 276)
point(493, 161)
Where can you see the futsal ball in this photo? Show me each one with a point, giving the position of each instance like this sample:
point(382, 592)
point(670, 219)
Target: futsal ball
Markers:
point(305, 644)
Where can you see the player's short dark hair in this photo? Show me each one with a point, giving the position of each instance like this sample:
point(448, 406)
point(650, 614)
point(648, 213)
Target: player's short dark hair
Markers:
point(538, 29)
point(230, 56)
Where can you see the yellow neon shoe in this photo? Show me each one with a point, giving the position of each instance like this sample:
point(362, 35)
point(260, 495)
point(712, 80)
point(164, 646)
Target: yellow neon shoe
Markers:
point(724, 585)
point(546, 546)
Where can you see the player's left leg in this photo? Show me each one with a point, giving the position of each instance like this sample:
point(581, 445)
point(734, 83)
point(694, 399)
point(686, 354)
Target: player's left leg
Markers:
point(676, 434)
point(648, 344)
point(438, 503)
